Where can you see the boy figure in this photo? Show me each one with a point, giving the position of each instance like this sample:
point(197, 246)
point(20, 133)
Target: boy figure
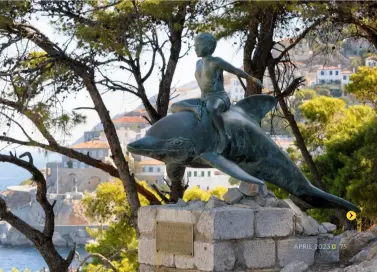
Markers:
point(209, 74)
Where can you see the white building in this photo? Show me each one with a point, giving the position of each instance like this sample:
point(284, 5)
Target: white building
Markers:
point(333, 75)
point(205, 178)
point(234, 88)
point(346, 74)
point(329, 75)
point(150, 170)
point(371, 61)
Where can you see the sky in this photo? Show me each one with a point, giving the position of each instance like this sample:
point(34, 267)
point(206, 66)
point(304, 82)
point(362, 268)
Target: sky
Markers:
point(116, 102)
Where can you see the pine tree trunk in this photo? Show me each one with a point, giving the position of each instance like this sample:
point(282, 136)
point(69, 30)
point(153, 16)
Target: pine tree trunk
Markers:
point(53, 259)
point(177, 191)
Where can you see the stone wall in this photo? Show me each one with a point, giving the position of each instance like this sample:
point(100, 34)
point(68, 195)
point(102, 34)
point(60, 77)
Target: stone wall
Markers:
point(228, 237)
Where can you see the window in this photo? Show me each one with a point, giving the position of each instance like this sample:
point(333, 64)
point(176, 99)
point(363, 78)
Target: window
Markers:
point(150, 169)
point(195, 174)
point(322, 73)
point(100, 153)
point(209, 173)
point(330, 73)
point(82, 165)
point(189, 174)
point(158, 169)
point(143, 169)
point(344, 77)
point(94, 153)
point(337, 73)
point(202, 173)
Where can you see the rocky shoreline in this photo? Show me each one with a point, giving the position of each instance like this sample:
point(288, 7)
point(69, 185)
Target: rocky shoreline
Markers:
point(64, 236)
point(70, 219)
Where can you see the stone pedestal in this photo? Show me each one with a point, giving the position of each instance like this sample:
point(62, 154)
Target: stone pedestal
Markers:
point(227, 238)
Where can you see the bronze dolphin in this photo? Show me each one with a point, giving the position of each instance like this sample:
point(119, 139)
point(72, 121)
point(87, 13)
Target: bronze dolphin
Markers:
point(181, 140)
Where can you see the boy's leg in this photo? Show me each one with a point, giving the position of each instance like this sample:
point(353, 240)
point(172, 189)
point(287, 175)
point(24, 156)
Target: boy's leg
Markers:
point(215, 107)
point(187, 105)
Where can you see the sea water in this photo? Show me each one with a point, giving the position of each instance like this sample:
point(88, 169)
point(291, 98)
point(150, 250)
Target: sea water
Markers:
point(29, 257)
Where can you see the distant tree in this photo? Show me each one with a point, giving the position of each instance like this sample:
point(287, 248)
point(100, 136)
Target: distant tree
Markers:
point(363, 85)
point(195, 193)
point(27, 182)
point(299, 98)
point(343, 139)
point(70, 164)
point(118, 243)
point(356, 61)
point(324, 92)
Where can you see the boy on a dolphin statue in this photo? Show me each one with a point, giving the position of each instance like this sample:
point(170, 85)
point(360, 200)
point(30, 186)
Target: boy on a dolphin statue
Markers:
point(209, 74)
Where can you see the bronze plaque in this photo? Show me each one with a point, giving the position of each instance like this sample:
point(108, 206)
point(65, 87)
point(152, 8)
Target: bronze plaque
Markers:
point(175, 238)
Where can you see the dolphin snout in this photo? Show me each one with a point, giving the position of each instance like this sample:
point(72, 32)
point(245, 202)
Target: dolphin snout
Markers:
point(146, 143)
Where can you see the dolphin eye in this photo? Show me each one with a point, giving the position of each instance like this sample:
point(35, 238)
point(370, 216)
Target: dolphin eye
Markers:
point(177, 142)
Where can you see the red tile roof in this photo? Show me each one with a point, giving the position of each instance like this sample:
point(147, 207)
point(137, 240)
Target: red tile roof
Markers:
point(94, 144)
point(130, 119)
point(330, 68)
point(151, 162)
point(347, 72)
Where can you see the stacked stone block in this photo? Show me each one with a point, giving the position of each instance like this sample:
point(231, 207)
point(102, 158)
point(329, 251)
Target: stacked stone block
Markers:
point(227, 238)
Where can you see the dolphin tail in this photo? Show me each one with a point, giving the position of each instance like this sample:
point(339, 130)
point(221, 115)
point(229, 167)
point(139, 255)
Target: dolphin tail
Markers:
point(320, 199)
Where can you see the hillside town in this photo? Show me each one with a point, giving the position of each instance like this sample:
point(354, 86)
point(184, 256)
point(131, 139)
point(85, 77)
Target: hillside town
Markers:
point(70, 176)
point(70, 179)
point(179, 136)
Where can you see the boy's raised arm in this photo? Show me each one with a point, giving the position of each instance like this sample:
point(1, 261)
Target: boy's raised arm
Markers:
point(226, 66)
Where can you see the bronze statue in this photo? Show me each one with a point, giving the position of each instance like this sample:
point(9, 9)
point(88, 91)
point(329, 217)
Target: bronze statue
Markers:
point(209, 74)
point(183, 140)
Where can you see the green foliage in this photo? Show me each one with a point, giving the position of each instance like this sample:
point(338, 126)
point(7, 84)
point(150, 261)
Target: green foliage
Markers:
point(279, 193)
point(321, 109)
point(299, 98)
point(233, 181)
point(324, 92)
point(276, 125)
point(363, 85)
point(26, 182)
point(70, 164)
point(16, 270)
point(197, 193)
point(356, 61)
point(218, 192)
point(119, 241)
point(344, 140)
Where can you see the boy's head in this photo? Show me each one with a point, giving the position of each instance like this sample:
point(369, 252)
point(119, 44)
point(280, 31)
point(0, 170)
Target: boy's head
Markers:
point(205, 44)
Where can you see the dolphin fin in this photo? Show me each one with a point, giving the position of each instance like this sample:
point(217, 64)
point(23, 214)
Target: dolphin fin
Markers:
point(228, 167)
point(255, 106)
point(320, 199)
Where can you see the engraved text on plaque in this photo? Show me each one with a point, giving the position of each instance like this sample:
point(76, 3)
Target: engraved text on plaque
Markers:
point(175, 238)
